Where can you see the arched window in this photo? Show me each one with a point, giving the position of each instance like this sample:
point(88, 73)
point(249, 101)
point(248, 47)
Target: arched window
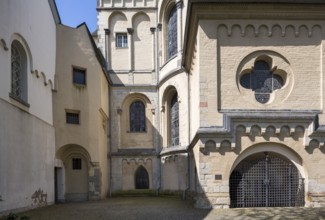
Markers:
point(174, 120)
point(18, 72)
point(172, 32)
point(137, 117)
point(262, 81)
point(141, 178)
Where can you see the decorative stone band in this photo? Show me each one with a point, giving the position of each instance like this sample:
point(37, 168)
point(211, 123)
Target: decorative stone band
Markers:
point(237, 124)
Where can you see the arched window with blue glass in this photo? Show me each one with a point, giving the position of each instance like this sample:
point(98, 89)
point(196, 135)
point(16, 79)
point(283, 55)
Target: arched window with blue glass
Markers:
point(172, 33)
point(174, 120)
point(137, 117)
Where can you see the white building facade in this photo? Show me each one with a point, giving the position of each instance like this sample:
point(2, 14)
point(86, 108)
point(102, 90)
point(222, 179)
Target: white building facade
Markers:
point(27, 59)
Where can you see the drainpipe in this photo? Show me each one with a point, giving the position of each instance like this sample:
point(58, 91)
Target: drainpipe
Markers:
point(189, 131)
point(157, 64)
point(189, 139)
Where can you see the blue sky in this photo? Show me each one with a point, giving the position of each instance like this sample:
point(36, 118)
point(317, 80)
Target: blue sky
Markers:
point(75, 12)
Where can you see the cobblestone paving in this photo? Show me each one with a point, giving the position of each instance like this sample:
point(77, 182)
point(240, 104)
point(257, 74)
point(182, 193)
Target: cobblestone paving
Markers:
point(141, 208)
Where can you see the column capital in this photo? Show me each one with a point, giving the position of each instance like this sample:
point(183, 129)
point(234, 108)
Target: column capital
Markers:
point(159, 26)
point(152, 29)
point(130, 30)
point(107, 31)
point(179, 4)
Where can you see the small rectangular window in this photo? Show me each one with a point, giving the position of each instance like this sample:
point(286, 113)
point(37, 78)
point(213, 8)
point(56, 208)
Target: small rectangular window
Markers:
point(122, 40)
point(79, 76)
point(76, 163)
point(72, 118)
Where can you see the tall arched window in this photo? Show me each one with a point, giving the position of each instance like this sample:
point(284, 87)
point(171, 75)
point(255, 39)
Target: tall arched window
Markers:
point(174, 120)
point(18, 71)
point(172, 32)
point(137, 117)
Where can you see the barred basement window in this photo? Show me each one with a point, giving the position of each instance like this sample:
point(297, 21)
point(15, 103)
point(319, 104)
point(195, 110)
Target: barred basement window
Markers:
point(121, 40)
point(172, 32)
point(262, 81)
point(76, 163)
point(79, 76)
point(72, 117)
point(174, 120)
point(137, 117)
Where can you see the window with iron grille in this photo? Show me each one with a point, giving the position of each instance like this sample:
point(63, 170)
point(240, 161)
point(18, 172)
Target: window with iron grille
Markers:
point(79, 76)
point(137, 117)
point(266, 180)
point(18, 72)
point(121, 40)
point(76, 164)
point(174, 121)
point(72, 117)
point(172, 32)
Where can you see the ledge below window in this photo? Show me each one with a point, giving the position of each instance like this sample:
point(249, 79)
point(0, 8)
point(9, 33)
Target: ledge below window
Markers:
point(136, 132)
point(19, 100)
point(135, 152)
point(173, 150)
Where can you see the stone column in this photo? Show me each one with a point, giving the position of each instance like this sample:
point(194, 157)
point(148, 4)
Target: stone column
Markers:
point(130, 45)
point(163, 126)
point(154, 57)
point(107, 48)
point(153, 30)
point(159, 47)
point(119, 115)
point(179, 5)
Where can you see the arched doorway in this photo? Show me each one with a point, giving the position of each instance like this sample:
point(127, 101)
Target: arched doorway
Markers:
point(76, 162)
point(141, 178)
point(266, 179)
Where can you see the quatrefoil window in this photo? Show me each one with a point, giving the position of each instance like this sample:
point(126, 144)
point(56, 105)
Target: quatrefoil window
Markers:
point(262, 80)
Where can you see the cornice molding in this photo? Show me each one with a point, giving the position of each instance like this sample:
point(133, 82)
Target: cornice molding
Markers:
point(257, 26)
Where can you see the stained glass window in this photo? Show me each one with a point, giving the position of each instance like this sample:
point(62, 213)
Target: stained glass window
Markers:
point(174, 120)
point(137, 117)
point(262, 81)
point(172, 32)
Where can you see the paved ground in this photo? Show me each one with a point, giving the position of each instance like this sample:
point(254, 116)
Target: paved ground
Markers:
point(161, 208)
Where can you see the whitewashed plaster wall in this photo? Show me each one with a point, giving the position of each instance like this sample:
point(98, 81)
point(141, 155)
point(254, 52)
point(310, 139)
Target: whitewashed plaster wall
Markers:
point(26, 133)
point(26, 160)
point(32, 21)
